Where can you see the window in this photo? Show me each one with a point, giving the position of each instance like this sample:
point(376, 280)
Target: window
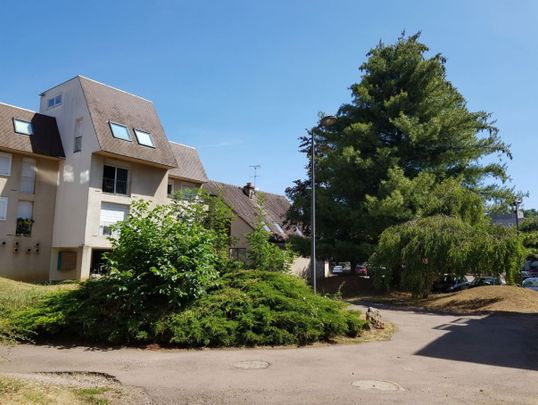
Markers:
point(5, 164)
point(24, 218)
point(144, 138)
point(278, 228)
point(266, 228)
point(170, 188)
point(115, 180)
point(238, 254)
point(120, 131)
point(111, 214)
point(77, 144)
point(77, 147)
point(67, 261)
point(3, 208)
point(23, 127)
point(28, 176)
point(54, 101)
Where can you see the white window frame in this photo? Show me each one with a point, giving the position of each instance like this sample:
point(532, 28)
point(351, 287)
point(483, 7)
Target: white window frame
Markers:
point(54, 100)
point(9, 157)
point(16, 120)
point(4, 204)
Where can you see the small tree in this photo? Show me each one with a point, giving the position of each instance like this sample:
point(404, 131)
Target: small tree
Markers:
point(163, 257)
point(262, 253)
point(429, 247)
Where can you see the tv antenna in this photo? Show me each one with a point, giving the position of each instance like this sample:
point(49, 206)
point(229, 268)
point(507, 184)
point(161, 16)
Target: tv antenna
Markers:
point(255, 167)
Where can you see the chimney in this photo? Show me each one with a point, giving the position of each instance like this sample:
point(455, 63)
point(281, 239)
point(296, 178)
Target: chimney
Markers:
point(248, 190)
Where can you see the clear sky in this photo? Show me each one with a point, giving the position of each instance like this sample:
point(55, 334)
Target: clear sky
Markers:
point(241, 80)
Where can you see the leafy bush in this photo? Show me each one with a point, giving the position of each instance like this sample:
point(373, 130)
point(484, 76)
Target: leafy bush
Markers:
point(248, 308)
point(163, 257)
point(263, 254)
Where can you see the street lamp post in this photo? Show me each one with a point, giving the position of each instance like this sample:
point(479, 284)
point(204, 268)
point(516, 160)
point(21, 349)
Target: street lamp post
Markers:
point(326, 121)
point(515, 208)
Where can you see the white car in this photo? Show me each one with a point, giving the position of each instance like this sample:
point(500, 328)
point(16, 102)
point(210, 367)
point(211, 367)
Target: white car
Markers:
point(338, 269)
point(531, 283)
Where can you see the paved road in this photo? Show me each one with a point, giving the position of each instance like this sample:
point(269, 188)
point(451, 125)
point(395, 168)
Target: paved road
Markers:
point(435, 359)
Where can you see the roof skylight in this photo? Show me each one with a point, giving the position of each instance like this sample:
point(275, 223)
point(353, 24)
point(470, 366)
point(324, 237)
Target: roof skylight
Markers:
point(120, 131)
point(23, 127)
point(144, 138)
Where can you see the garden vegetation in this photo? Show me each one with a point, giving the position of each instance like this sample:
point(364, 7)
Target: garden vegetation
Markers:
point(171, 283)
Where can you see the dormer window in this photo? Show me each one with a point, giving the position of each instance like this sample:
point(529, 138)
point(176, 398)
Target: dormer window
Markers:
point(144, 138)
point(119, 131)
point(54, 101)
point(23, 127)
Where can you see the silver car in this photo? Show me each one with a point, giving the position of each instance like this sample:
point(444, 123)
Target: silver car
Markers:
point(531, 283)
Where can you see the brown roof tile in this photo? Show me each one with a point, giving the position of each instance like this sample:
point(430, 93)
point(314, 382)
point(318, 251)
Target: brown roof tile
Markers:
point(275, 206)
point(109, 104)
point(189, 165)
point(45, 139)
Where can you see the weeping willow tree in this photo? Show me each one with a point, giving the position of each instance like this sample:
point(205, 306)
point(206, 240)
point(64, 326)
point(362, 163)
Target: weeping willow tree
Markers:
point(426, 248)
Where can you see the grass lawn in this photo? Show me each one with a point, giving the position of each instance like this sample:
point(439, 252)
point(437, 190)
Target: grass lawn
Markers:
point(15, 391)
point(15, 295)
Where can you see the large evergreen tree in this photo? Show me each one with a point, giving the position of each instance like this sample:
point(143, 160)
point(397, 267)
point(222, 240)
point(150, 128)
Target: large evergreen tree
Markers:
point(406, 131)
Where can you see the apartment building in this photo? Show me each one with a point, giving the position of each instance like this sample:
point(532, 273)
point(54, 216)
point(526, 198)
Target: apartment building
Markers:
point(72, 170)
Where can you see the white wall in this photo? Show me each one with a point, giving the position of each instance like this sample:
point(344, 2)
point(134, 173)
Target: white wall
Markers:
point(72, 195)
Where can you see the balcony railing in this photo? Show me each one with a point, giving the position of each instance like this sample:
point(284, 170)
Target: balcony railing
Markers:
point(24, 227)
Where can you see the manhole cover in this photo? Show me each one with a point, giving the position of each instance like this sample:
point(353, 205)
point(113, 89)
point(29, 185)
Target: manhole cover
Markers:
point(377, 385)
point(252, 364)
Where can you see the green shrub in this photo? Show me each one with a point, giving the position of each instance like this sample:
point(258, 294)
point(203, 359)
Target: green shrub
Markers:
point(261, 308)
point(262, 253)
point(248, 308)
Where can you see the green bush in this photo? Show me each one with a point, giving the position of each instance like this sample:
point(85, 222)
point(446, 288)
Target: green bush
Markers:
point(248, 308)
point(262, 308)
point(262, 253)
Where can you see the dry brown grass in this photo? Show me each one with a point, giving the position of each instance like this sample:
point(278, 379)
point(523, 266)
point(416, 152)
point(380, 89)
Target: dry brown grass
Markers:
point(498, 298)
point(473, 300)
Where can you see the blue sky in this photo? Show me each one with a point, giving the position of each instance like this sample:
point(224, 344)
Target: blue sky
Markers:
point(241, 80)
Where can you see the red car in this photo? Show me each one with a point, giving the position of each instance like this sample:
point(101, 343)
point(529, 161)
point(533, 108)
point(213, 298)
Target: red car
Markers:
point(361, 270)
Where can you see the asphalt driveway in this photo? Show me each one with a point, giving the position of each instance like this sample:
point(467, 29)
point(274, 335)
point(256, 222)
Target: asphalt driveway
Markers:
point(432, 359)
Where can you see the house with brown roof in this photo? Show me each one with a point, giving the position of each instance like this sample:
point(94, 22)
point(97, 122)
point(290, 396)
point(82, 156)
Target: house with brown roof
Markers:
point(72, 170)
point(244, 202)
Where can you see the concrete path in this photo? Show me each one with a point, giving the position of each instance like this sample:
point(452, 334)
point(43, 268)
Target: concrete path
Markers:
point(432, 359)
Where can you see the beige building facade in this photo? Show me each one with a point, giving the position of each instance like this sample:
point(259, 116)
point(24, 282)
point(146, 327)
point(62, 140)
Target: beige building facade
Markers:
point(90, 152)
point(72, 170)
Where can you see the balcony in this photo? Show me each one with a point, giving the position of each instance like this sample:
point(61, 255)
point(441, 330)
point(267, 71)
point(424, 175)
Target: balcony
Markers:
point(24, 227)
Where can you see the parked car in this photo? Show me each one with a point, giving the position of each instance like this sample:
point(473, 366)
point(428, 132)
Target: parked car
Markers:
point(531, 283)
point(481, 281)
point(361, 270)
point(338, 269)
point(450, 283)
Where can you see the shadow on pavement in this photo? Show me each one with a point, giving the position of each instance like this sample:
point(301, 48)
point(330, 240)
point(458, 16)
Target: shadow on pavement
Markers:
point(506, 340)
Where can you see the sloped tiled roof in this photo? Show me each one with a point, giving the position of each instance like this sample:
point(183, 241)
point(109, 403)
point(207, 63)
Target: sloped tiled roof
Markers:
point(45, 139)
point(109, 104)
point(189, 165)
point(275, 206)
